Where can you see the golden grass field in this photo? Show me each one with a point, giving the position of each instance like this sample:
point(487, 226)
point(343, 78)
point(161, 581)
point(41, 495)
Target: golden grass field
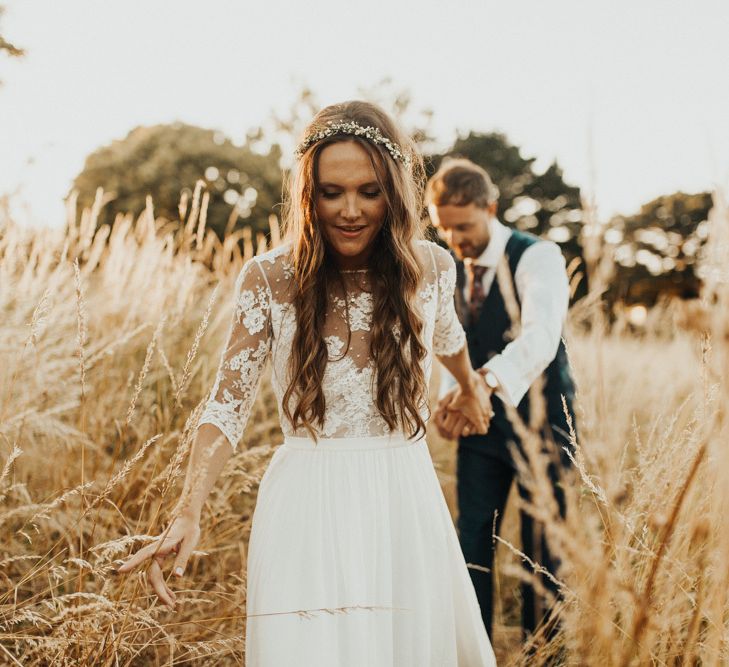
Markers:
point(104, 363)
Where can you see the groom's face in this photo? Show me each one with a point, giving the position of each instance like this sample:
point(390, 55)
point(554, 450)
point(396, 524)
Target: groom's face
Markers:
point(466, 229)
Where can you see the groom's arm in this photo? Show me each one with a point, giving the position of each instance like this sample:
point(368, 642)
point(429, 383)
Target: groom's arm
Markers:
point(543, 289)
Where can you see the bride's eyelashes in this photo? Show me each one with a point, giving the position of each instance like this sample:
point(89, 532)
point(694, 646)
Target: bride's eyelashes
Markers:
point(369, 194)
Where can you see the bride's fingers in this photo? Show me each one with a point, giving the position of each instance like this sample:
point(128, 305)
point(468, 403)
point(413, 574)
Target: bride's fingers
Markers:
point(445, 401)
point(470, 411)
point(478, 419)
point(454, 417)
point(446, 424)
point(147, 552)
point(453, 424)
point(135, 560)
point(439, 417)
point(156, 578)
point(480, 425)
point(171, 593)
point(459, 426)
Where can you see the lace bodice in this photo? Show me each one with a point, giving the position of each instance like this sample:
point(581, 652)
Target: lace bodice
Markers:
point(264, 323)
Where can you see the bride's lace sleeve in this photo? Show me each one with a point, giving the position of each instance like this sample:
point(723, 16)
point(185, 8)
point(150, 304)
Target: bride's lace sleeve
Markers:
point(449, 337)
point(244, 355)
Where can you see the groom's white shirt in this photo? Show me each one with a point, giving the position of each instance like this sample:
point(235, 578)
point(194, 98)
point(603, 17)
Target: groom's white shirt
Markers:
point(543, 290)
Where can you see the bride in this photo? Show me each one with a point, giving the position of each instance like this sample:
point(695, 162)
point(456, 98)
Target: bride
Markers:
point(353, 559)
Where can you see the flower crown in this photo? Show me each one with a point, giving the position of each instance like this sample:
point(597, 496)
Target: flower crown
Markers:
point(373, 134)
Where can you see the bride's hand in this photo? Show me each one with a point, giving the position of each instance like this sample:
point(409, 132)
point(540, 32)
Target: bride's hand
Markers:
point(474, 404)
point(465, 412)
point(452, 425)
point(180, 540)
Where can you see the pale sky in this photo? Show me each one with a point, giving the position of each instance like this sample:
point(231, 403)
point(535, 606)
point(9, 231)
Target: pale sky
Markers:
point(630, 97)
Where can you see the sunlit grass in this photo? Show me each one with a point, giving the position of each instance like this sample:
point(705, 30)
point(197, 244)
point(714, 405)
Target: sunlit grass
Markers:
point(109, 341)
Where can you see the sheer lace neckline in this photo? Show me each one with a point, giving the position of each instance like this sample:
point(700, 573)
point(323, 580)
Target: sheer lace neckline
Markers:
point(264, 325)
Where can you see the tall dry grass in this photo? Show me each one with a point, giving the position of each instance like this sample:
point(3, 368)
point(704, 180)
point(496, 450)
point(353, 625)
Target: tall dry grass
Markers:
point(109, 341)
point(644, 547)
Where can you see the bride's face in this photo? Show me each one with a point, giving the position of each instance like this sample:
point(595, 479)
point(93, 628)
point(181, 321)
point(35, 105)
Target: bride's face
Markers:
point(350, 204)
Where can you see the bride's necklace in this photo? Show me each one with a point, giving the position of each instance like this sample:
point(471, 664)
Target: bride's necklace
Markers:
point(353, 271)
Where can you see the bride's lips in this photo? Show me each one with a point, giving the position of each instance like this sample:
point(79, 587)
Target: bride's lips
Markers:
point(351, 232)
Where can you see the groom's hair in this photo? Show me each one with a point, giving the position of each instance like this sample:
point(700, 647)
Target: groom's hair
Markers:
point(460, 182)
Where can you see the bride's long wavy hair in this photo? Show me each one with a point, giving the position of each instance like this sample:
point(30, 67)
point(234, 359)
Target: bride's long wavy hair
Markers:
point(396, 344)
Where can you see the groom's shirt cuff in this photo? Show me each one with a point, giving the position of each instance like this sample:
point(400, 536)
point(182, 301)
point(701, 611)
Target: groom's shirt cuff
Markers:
point(543, 289)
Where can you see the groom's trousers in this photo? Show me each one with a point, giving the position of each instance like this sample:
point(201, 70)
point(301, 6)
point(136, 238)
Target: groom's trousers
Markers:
point(485, 472)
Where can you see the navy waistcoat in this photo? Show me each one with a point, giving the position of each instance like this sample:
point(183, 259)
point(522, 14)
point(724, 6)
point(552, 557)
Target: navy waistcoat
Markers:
point(488, 335)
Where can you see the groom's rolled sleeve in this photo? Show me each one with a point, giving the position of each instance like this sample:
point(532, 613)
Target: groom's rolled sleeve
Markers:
point(543, 289)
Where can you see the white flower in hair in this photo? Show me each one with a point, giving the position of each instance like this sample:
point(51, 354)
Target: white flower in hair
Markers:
point(370, 133)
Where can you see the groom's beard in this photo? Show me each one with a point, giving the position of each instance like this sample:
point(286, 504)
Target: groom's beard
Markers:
point(470, 251)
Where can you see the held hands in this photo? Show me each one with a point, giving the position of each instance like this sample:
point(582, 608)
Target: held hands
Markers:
point(465, 411)
point(178, 540)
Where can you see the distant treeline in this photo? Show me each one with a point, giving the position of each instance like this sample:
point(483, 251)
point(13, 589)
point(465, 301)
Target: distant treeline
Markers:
point(654, 250)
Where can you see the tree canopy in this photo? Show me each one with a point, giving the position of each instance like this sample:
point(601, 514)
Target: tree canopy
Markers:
point(656, 249)
point(166, 160)
point(541, 203)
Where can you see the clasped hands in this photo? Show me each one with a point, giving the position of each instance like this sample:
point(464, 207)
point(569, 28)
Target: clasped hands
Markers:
point(465, 411)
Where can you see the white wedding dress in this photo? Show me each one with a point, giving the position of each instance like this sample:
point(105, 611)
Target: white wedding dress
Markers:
point(353, 558)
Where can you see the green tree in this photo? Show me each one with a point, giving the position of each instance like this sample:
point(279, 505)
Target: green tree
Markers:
point(166, 160)
point(539, 203)
point(656, 249)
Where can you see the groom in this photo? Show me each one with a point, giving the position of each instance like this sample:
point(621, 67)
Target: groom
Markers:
point(462, 202)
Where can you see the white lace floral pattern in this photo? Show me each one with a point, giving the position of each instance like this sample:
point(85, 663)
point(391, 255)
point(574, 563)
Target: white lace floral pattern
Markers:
point(360, 310)
point(264, 324)
point(450, 336)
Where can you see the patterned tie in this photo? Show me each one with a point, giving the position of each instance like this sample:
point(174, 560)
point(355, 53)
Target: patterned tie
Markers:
point(477, 295)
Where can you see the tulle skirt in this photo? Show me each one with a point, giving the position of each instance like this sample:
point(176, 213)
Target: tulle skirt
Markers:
point(354, 561)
